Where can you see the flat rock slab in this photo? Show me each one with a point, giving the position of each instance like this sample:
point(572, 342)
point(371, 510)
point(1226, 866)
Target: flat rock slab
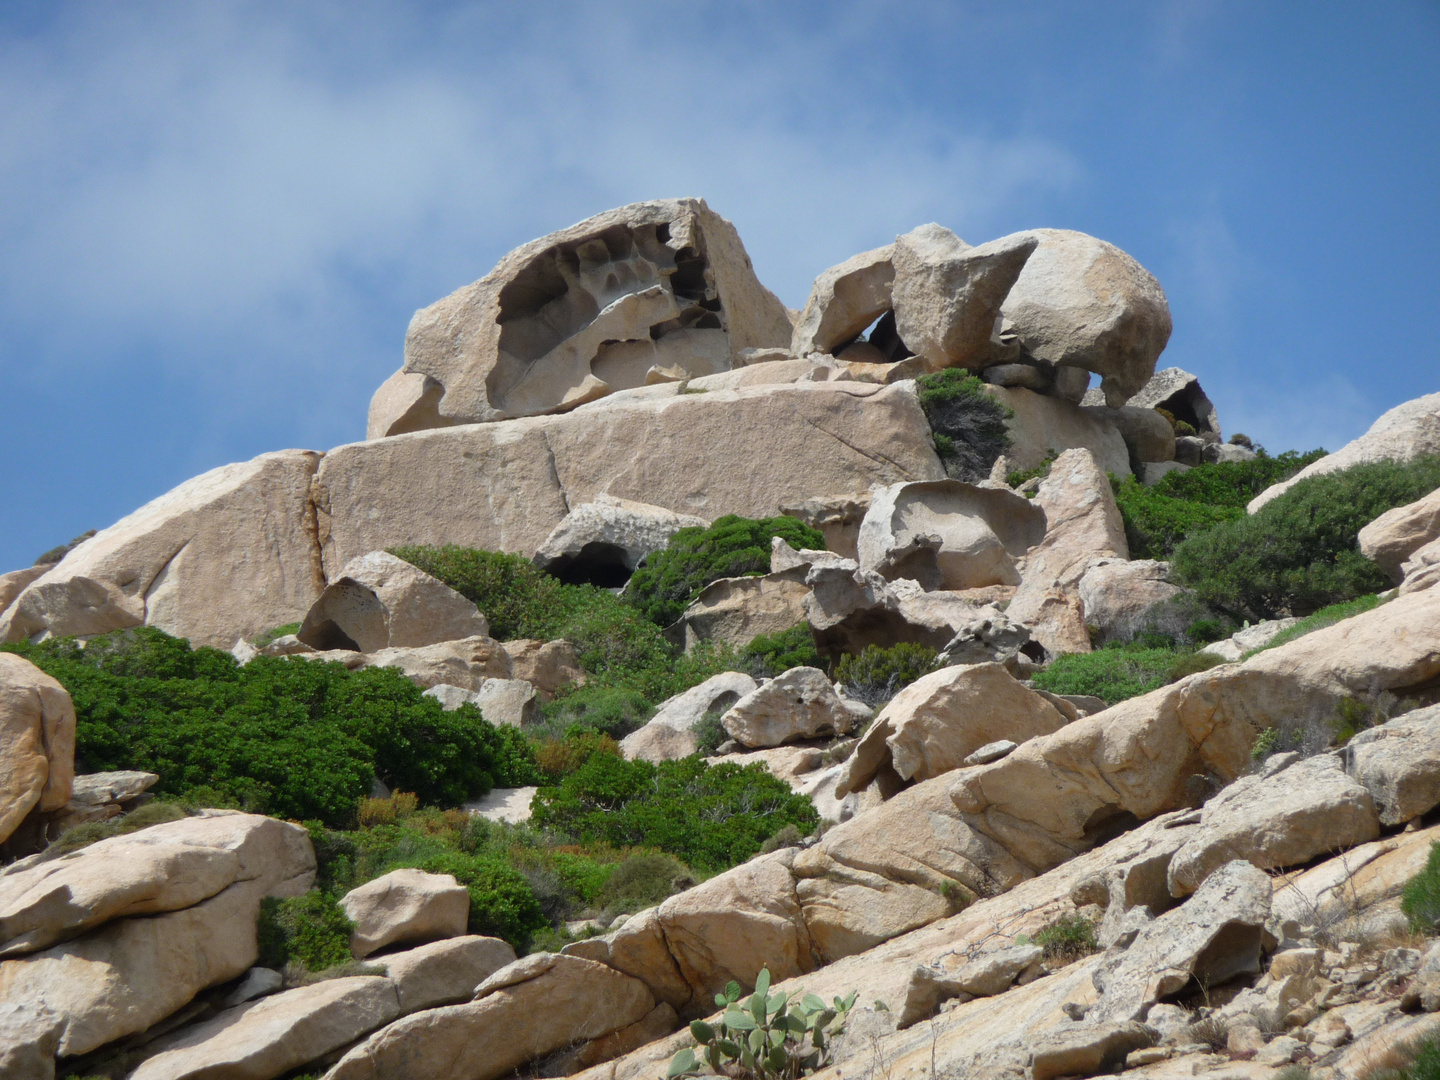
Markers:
point(504, 804)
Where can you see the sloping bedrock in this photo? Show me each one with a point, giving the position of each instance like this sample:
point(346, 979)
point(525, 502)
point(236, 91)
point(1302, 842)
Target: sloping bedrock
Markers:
point(505, 486)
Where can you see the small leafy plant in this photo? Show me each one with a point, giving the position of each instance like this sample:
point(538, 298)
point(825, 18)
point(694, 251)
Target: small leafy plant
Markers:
point(766, 1036)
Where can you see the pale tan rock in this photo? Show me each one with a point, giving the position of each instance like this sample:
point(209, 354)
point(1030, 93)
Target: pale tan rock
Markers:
point(1397, 534)
point(783, 557)
point(657, 743)
point(405, 905)
point(734, 611)
point(933, 724)
point(638, 948)
point(1045, 427)
point(230, 553)
point(37, 742)
point(1084, 303)
point(799, 704)
point(1083, 524)
point(656, 1024)
point(602, 542)
point(381, 602)
point(591, 309)
point(1087, 1049)
point(504, 804)
point(1399, 764)
point(1422, 569)
point(567, 1000)
point(443, 972)
point(468, 663)
point(838, 518)
point(787, 369)
point(670, 733)
point(947, 295)
point(1244, 641)
point(1278, 819)
point(504, 487)
point(1147, 434)
point(946, 534)
point(13, 583)
point(1177, 392)
point(844, 300)
point(788, 763)
point(274, 1035)
point(1405, 432)
point(163, 868)
point(548, 666)
point(406, 401)
point(1121, 597)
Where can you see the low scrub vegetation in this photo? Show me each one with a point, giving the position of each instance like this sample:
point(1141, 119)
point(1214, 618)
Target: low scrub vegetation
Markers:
point(308, 931)
point(667, 581)
point(1326, 616)
point(967, 421)
point(1298, 553)
point(1421, 899)
point(1068, 938)
point(1118, 672)
point(878, 673)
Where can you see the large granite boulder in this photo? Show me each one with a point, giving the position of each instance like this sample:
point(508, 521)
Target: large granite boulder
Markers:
point(602, 542)
point(1399, 764)
point(946, 534)
point(844, 300)
point(381, 602)
point(1422, 569)
point(947, 294)
point(799, 704)
point(406, 401)
point(506, 486)
point(1081, 302)
point(1396, 535)
point(13, 583)
point(37, 742)
point(405, 905)
point(1407, 431)
point(1148, 435)
point(1120, 598)
point(736, 610)
point(670, 734)
point(1041, 427)
point(443, 972)
point(935, 723)
point(1083, 524)
point(592, 309)
point(228, 554)
point(1177, 392)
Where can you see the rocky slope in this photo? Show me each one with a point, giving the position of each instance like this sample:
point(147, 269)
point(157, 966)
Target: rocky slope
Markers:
point(1204, 877)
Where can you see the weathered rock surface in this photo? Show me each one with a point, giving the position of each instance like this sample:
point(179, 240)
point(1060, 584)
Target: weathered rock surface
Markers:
point(947, 294)
point(272, 1036)
point(1147, 434)
point(602, 542)
point(230, 553)
point(545, 665)
point(592, 309)
point(1120, 598)
point(1177, 392)
point(37, 742)
point(443, 972)
point(100, 797)
point(1397, 534)
point(1083, 524)
point(1084, 303)
point(406, 401)
point(13, 583)
point(946, 534)
point(1422, 570)
point(534, 1006)
point(468, 663)
point(513, 702)
point(935, 723)
point(670, 733)
point(505, 487)
point(381, 602)
point(1276, 818)
point(1045, 427)
point(736, 610)
point(1399, 764)
point(405, 905)
point(1251, 637)
point(800, 704)
point(162, 868)
point(1405, 432)
point(838, 518)
point(844, 300)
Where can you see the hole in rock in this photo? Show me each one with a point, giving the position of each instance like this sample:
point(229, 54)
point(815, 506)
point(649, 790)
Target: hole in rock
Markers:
point(327, 635)
point(1107, 823)
point(597, 563)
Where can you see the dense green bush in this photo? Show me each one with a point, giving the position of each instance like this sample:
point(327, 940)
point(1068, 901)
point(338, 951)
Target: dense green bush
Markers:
point(878, 673)
point(642, 881)
point(712, 817)
point(309, 930)
point(1298, 553)
point(773, 654)
point(1420, 900)
point(608, 710)
point(502, 902)
point(967, 421)
point(1111, 674)
point(1157, 518)
point(667, 581)
point(616, 644)
point(289, 737)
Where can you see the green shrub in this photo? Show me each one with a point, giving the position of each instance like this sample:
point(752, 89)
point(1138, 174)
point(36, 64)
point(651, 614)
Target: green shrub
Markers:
point(142, 817)
point(1298, 553)
point(667, 581)
point(1190, 664)
point(288, 737)
point(879, 673)
point(274, 633)
point(710, 733)
point(1420, 900)
point(1326, 616)
point(773, 654)
point(309, 930)
point(1112, 674)
point(711, 817)
point(967, 421)
point(1068, 938)
point(608, 710)
point(643, 881)
point(502, 902)
point(1020, 476)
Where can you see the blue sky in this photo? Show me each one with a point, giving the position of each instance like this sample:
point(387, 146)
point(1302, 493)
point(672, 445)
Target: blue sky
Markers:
point(216, 219)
